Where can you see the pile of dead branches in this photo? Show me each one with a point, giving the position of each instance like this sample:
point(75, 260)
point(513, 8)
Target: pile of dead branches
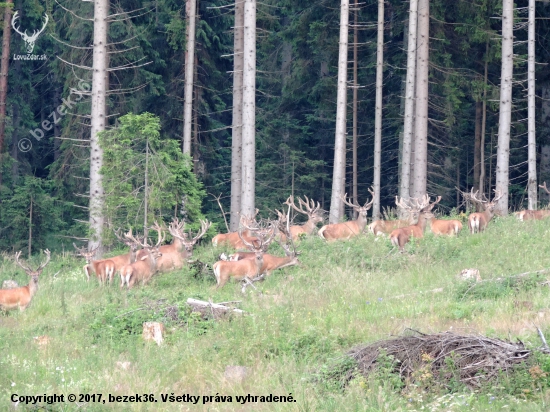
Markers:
point(470, 359)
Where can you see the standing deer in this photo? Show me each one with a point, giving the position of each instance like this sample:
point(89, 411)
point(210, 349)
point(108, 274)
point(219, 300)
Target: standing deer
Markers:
point(145, 267)
point(444, 227)
point(247, 270)
point(175, 254)
point(313, 213)
point(346, 230)
point(477, 222)
point(385, 227)
point(400, 237)
point(21, 297)
point(104, 268)
point(234, 239)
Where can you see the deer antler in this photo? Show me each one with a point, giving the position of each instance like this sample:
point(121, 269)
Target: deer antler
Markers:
point(205, 225)
point(43, 265)
point(13, 20)
point(27, 269)
point(498, 195)
point(545, 188)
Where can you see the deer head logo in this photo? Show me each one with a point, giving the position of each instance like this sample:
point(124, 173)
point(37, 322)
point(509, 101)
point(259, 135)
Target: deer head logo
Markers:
point(30, 40)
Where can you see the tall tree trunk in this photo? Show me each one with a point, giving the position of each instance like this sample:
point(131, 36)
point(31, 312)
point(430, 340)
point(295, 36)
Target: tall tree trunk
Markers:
point(477, 143)
point(378, 113)
point(505, 108)
point(195, 145)
point(483, 122)
point(409, 101)
point(338, 174)
point(57, 128)
point(4, 77)
point(191, 10)
point(532, 144)
point(421, 116)
point(355, 91)
point(249, 110)
point(545, 148)
point(100, 79)
point(237, 129)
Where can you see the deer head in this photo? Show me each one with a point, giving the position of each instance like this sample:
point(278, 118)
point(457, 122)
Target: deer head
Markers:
point(33, 273)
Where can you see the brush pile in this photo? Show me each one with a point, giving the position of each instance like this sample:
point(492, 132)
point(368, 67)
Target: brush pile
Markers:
point(441, 357)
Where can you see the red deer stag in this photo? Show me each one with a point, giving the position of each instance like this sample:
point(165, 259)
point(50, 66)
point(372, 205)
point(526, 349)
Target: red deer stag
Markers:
point(450, 227)
point(233, 239)
point(400, 237)
point(173, 257)
point(104, 269)
point(385, 227)
point(314, 216)
point(145, 267)
point(477, 222)
point(21, 297)
point(534, 214)
point(271, 262)
point(346, 230)
point(246, 270)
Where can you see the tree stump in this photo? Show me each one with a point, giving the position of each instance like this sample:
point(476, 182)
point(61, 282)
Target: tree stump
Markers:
point(153, 331)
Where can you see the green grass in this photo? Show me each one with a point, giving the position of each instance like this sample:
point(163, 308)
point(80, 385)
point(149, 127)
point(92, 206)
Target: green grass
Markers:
point(343, 294)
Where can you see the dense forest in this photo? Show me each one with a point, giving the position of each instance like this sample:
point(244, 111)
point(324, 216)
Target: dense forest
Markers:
point(45, 151)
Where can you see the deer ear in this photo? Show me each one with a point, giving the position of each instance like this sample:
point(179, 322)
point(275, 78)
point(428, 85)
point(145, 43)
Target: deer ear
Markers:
point(144, 257)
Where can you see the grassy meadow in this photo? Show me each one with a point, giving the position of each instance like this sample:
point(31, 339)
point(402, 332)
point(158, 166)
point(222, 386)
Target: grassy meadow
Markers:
point(343, 294)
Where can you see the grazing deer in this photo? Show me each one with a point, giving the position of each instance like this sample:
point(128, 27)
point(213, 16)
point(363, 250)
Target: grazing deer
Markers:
point(271, 262)
point(346, 230)
point(104, 268)
point(145, 267)
point(313, 213)
point(400, 237)
point(21, 297)
point(477, 222)
point(234, 239)
point(174, 255)
point(247, 270)
point(444, 227)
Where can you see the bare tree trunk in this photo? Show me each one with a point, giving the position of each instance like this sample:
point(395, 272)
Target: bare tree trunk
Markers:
point(378, 113)
point(4, 76)
point(421, 116)
point(195, 145)
point(409, 101)
point(30, 230)
point(249, 110)
point(355, 90)
point(532, 144)
point(338, 174)
point(98, 119)
point(237, 130)
point(503, 148)
point(483, 123)
point(545, 148)
point(191, 11)
point(477, 143)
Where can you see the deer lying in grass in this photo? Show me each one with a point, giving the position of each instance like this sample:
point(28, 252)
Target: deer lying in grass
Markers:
point(21, 297)
point(272, 262)
point(444, 227)
point(234, 239)
point(534, 214)
point(145, 267)
point(246, 270)
point(400, 237)
point(347, 230)
point(477, 222)
point(314, 216)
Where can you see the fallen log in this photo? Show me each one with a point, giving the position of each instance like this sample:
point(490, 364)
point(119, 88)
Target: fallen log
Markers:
point(214, 310)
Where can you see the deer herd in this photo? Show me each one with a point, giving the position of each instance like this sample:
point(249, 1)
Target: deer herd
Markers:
point(145, 260)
